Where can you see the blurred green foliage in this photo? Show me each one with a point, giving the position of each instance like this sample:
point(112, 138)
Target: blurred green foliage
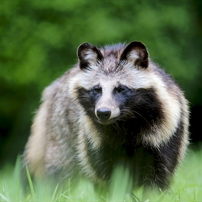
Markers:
point(38, 42)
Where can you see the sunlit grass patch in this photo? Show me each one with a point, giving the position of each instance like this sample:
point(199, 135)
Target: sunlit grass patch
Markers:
point(186, 187)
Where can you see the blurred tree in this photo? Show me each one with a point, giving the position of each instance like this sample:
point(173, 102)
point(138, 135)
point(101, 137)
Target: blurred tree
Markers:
point(39, 41)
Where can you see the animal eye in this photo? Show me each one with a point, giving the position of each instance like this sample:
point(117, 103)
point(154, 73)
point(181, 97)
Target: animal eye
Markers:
point(97, 89)
point(120, 89)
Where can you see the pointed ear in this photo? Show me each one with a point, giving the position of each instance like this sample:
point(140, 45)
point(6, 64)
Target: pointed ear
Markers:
point(136, 53)
point(88, 55)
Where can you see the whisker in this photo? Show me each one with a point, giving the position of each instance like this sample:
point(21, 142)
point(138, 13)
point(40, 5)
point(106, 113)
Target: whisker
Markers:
point(131, 114)
point(142, 117)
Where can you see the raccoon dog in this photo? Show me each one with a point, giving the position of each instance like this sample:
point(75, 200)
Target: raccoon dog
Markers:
point(114, 106)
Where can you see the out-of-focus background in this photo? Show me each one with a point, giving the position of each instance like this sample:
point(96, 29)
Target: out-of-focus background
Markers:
point(39, 39)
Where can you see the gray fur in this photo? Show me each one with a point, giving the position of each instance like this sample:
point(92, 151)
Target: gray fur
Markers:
point(62, 131)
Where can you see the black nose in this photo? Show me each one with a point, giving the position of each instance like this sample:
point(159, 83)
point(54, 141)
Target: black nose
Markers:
point(103, 114)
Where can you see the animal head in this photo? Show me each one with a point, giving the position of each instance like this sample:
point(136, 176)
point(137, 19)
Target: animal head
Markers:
point(116, 83)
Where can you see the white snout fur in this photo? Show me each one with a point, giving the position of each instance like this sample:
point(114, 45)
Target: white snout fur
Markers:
point(107, 101)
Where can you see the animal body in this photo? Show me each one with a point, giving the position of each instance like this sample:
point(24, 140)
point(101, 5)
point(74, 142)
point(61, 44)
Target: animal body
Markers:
point(114, 106)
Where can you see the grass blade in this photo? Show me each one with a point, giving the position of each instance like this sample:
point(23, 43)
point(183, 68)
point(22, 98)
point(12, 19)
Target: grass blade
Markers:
point(31, 185)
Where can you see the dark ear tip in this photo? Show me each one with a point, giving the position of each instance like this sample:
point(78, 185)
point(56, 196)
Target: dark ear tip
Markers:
point(137, 44)
point(84, 46)
point(81, 48)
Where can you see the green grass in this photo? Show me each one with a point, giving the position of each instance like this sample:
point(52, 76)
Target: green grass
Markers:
point(186, 187)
